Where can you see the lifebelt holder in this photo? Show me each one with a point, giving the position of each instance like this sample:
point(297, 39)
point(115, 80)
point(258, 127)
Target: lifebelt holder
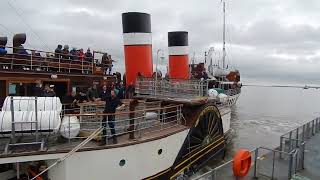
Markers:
point(241, 163)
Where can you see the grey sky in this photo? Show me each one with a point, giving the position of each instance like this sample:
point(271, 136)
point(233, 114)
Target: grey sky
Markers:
point(265, 38)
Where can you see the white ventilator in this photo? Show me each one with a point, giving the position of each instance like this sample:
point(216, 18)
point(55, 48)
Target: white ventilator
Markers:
point(70, 127)
point(151, 115)
point(223, 98)
point(212, 93)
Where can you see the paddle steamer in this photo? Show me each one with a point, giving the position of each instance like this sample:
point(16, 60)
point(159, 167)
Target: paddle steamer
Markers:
point(169, 129)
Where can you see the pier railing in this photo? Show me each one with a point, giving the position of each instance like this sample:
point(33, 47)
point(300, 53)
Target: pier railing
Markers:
point(293, 139)
point(281, 163)
point(266, 163)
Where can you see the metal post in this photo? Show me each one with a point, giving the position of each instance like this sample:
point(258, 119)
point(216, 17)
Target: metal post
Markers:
point(281, 144)
point(303, 131)
point(273, 161)
point(290, 166)
point(290, 143)
point(313, 130)
point(308, 130)
point(302, 154)
point(297, 137)
point(69, 130)
point(31, 62)
point(13, 136)
point(36, 111)
point(59, 63)
point(256, 153)
point(18, 170)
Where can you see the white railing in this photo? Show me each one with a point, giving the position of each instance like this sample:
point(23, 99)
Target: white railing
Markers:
point(76, 125)
point(172, 88)
point(43, 61)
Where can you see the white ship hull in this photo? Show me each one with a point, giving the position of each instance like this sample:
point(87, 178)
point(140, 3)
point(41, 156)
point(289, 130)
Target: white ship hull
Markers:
point(140, 160)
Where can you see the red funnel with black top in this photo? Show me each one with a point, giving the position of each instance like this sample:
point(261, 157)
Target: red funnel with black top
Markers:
point(178, 55)
point(137, 39)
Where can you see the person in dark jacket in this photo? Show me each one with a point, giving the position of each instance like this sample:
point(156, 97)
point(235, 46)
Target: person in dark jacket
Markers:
point(112, 103)
point(58, 51)
point(105, 93)
point(21, 51)
point(71, 102)
point(3, 50)
point(48, 91)
point(92, 93)
point(73, 54)
point(65, 52)
point(88, 55)
point(38, 91)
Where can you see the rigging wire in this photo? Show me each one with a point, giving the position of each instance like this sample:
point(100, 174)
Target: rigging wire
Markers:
point(27, 25)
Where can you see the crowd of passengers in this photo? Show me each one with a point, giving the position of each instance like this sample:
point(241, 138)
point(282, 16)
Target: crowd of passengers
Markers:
point(111, 94)
point(63, 53)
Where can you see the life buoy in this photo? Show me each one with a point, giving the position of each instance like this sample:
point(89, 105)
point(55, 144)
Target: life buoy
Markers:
point(33, 174)
point(241, 163)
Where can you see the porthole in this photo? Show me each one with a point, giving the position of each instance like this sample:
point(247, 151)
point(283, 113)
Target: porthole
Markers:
point(159, 151)
point(122, 162)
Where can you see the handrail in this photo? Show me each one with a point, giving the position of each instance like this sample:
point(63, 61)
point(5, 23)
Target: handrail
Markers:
point(38, 62)
point(123, 113)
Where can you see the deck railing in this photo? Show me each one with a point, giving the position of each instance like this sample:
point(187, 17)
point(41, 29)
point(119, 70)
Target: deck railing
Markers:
point(42, 61)
point(172, 88)
point(136, 123)
point(77, 123)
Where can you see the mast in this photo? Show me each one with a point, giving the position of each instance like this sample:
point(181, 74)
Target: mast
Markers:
point(224, 36)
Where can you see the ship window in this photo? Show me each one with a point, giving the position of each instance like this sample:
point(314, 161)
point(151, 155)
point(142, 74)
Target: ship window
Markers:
point(159, 151)
point(122, 162)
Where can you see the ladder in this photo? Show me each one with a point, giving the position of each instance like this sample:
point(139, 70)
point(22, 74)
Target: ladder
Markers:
point(13, 138)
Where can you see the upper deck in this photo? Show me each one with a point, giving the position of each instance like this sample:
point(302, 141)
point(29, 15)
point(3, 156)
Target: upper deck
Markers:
point(43, 62)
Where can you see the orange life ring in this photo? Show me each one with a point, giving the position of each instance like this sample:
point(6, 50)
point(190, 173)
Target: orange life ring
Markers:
point(33, 174)
point(241, 163)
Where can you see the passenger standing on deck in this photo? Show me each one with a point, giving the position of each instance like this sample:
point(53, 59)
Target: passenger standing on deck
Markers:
point(107, 63)
point(112, 103)
point(92, 93)
point(73, 54)
point(48, 91)
point(38, 91)
point(105, 93)
point(58, 51)
point(65, 52)
point(3, 50)
point(88, 55)
point(81, 54)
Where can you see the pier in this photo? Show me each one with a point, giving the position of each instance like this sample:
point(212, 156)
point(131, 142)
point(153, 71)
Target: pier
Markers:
point(296, 158)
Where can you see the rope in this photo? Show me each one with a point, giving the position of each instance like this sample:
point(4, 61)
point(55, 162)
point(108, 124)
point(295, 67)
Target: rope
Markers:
point(93, 135)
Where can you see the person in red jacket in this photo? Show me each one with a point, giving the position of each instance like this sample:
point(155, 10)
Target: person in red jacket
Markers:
point(81, 55)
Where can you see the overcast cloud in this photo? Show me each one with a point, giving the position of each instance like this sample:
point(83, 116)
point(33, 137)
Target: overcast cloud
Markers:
point(265, 38)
